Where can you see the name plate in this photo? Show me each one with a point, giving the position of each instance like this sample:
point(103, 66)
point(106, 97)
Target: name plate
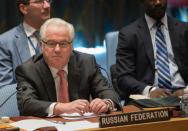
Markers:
point(134, 118)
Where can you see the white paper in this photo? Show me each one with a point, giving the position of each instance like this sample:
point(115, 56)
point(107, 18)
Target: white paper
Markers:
point(76, 116)
point(32, 124)
point(138, 97)
point(80, 125)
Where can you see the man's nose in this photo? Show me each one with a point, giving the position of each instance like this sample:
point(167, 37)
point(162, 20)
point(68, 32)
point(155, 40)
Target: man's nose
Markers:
point(158, 1)
point(57, 48)
point(46, 4)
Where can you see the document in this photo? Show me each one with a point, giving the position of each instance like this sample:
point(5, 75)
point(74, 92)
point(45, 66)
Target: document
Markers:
point(170, 101)
point(76, 116)
point(138, 97)
point(80, 125)
point(33, 124)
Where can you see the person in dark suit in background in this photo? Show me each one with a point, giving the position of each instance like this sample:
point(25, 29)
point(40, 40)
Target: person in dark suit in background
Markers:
point(38, 79)
point(141, 67)
point(21, 42)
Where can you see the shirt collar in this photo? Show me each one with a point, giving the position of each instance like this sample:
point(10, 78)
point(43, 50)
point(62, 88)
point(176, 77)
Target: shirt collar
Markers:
point(54, 71)
point(29, 30)
point(151, 22)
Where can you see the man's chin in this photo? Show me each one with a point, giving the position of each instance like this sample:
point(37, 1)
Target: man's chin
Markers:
point(157, 16)
point(57, 66)
point(45, 17)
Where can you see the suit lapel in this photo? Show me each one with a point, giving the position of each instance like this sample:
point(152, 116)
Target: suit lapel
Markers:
point(48, 82)
point(74, 78)
point(21, 44)
point(172, 25)
point(146, 37)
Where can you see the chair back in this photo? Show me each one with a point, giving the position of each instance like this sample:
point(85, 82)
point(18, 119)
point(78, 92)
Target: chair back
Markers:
point(111, 41)
point(8, 101)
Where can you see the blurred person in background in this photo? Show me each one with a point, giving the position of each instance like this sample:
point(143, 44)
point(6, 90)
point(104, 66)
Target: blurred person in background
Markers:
point(21, 42)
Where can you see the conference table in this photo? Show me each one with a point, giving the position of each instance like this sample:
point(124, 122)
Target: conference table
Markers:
point(174, 124)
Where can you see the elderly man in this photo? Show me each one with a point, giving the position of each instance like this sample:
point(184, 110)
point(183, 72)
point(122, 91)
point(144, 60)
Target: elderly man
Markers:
point(62, 80)
point(152, 54)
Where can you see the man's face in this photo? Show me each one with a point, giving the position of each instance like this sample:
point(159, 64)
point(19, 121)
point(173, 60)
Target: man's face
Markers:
point(56, 56)
point(36, 12)
point(155, 8)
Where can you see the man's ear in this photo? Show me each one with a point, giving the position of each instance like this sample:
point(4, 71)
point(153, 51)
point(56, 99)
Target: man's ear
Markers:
point(23, 9)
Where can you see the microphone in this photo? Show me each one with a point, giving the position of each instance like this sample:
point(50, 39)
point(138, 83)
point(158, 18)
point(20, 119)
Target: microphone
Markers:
point(106, 73)
point(111, 86)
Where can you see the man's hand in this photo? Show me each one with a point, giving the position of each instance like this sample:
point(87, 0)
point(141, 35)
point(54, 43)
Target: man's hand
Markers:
point(79, 106)
point(178, 92)
point(98, 106)
point(159, 92)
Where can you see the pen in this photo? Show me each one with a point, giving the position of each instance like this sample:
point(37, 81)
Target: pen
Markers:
point(57, 122)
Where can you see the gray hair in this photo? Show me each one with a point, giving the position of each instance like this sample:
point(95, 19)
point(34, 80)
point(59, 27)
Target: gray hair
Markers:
point(56, 22)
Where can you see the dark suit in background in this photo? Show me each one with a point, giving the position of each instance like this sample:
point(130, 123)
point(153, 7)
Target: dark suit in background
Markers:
point(36, 87)
point(135, 56)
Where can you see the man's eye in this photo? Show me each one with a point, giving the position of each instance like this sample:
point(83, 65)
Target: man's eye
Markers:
point(50, 43)
point(38, 1)
point(63, 43)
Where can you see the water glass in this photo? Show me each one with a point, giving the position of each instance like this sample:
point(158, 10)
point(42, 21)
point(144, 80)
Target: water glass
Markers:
point(184, 105)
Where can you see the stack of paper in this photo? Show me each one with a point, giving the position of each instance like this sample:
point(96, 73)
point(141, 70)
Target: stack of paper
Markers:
point(33, 124)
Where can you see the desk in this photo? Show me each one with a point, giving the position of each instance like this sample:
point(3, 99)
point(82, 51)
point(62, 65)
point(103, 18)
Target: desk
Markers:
point(175, 124)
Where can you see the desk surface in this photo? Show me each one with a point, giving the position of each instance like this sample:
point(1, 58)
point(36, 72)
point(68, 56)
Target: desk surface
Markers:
point(175, 124)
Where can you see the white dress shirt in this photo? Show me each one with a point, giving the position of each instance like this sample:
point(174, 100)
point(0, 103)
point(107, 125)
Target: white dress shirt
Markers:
point(176, 79)
point(57, 84)
point(29, 32)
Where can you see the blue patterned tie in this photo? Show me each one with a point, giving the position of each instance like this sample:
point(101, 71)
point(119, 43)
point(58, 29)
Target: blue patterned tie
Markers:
point(162, 62)
point(37, 48)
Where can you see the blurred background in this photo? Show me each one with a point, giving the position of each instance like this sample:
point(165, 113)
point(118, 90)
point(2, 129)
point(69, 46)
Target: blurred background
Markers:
point(92, 19)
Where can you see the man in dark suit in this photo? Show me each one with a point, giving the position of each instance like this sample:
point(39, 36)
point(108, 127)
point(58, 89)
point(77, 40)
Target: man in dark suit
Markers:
point(38, 80)
point(138, 72)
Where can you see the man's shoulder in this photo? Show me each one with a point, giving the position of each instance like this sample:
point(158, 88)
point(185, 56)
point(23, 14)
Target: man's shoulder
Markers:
point(13, 31)
point(81, 55)
point(32, 62)
point(133, 25)
point(81, 58)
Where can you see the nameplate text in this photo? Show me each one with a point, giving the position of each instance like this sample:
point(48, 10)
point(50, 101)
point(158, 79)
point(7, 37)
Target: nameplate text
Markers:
point(134, 118)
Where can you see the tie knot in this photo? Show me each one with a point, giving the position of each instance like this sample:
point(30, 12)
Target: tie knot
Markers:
point(36, 34)
point(158, 24)
point(61, 73)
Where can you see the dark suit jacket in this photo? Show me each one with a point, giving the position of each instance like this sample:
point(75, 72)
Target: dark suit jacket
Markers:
point(36, 86)
point(135, 56)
